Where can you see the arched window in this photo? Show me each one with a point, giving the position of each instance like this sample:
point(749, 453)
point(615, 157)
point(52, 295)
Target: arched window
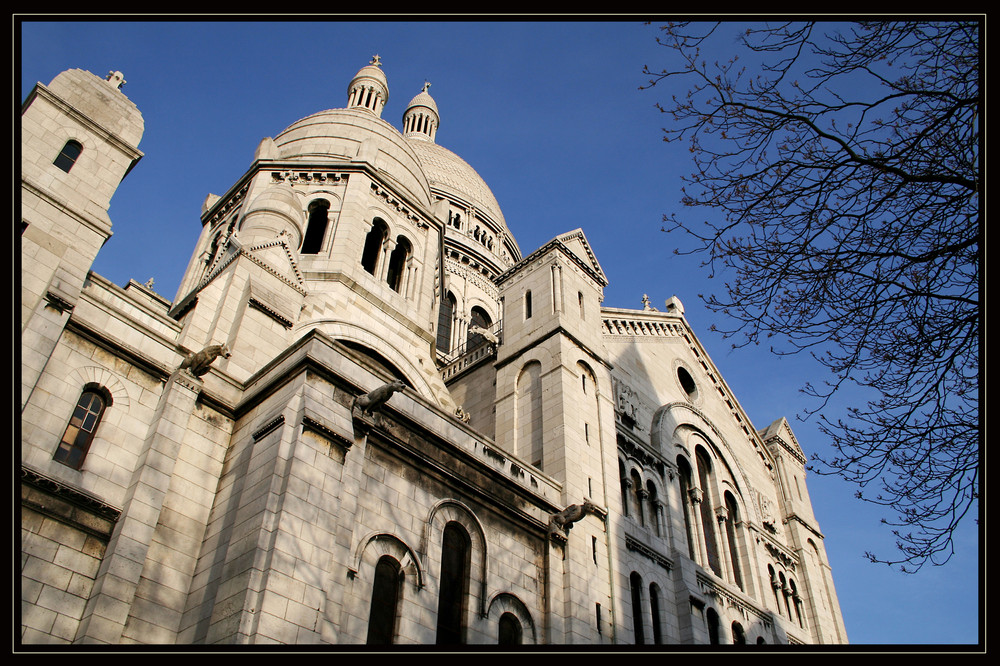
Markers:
point(478, 318)
point(732, 518)
point(784, 594)
point(319, 217)
point(712, 618)
point(654, 612)
point(775, 586)
point(529, 414)
point(739, 636)
point(397, 264)
point(446, 315)
point(635, 582)
point(689, 507)
point(373, 246)
point(637, 493)
point(68, 155)
point(796, 601)
point(510, 630)
point(623, 477)
point(79, 433)
point(707, 514)
point(385, 601)
point(652, 500)
point(456, 553)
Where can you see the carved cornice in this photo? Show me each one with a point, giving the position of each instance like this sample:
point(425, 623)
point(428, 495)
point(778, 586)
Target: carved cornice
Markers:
point(313, 425)
point(784, 558)
point(75, 497)
point(710, 588)
point(400, 207)
point(648, 552)
point(270, 312)
point(223, 208)
point(268, 428)
point(638, 453)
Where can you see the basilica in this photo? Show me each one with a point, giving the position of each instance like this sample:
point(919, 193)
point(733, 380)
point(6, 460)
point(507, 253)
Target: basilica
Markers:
point(368, 417)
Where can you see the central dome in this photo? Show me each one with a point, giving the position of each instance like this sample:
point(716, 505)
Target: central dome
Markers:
point(453, 176)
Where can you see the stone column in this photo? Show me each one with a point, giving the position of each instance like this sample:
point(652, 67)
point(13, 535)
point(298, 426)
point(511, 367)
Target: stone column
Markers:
point(121, 569)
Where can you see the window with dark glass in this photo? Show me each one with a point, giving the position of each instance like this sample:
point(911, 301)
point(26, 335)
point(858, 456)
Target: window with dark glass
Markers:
point(707, 514)
point(712, 618)
point(79, 434)
point(732, 518)
point(385, 601)
point(654, 613)
point(446, 315)
point(397, 264)
point(635, 583)
point(373, 246)
point(68, 155)
point(684, 474)
point(510, 630)
point(319, 218)
point(455, 559)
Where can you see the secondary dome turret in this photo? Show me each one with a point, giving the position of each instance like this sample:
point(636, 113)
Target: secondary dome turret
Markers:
point(369, 88)
point(421, 118)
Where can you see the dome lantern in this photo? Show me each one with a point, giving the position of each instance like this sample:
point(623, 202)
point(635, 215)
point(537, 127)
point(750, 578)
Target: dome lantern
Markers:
point(369, 88)
point(421, 118)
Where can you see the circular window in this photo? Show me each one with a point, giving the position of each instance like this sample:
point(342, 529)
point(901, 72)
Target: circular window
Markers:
point(687, 382)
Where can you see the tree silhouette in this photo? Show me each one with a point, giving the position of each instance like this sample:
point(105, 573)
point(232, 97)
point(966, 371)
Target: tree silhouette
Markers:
point(844, 165)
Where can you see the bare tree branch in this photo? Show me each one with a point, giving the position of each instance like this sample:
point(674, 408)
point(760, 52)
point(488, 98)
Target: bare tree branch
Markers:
point(844, 164)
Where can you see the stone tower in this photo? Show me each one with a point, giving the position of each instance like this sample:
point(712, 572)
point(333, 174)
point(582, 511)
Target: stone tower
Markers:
point(554, 409)
point(80, 138)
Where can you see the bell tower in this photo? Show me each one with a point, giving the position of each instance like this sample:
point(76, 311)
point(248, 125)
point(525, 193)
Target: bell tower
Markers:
point(554, 410)
point(80, 138)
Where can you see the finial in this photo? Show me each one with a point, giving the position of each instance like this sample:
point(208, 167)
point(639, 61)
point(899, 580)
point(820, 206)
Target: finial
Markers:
point(376, 60)
point(427, 84)
point(117, 79)
point(645, 302)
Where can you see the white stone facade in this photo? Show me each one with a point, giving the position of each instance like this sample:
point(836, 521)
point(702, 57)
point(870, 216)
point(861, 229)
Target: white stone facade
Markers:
point(398, 430)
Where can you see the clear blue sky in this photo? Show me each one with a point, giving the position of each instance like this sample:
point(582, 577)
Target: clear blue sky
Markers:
point(550, 115)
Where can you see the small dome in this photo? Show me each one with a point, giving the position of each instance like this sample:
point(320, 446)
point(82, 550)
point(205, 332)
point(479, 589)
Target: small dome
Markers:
point(423, 98)
point(275, 210)
point(369, 89)
point(421, 118)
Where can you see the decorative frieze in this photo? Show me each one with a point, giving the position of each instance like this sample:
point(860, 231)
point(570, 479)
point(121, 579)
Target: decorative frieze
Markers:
point(308, 177)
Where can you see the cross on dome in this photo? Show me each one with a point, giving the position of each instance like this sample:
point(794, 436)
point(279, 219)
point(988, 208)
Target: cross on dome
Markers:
point(376, 60)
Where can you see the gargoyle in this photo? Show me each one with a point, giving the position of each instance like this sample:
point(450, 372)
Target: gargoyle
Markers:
point(371, 401)
point(485, 334)
point(563, 521)
point(197, 363)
